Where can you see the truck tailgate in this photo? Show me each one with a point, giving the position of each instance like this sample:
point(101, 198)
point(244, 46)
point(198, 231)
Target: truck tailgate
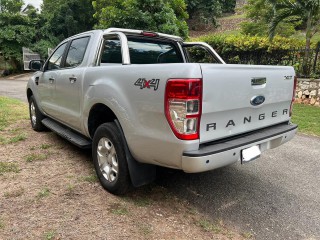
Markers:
point(243, 98)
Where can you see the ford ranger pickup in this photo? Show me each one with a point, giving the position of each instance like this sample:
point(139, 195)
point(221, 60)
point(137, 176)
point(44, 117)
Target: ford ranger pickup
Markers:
point(140, 99)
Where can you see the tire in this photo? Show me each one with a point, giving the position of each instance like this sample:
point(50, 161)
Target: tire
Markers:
point(35, 116)
point(109, 159)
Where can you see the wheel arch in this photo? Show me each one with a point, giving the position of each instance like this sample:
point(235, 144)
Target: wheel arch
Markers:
point(29, 93)
point(140, 173)
point(99, 114)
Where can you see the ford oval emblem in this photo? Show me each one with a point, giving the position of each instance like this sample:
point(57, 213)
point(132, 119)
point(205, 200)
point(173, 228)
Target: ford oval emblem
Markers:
point(257, 100)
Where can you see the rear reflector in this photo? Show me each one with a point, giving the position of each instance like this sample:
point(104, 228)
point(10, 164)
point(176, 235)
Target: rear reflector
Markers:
point(294, 93)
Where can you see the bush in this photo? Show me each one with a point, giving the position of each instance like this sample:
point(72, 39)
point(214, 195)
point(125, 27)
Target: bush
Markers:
point(243, 49)
point(242, 43)
point(261, 29)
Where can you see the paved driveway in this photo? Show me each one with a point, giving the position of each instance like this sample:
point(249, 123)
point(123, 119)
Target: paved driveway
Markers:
point(14, 87)
point(275, 197)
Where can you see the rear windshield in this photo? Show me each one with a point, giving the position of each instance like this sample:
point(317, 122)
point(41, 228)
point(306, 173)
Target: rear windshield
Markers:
point(142, 51)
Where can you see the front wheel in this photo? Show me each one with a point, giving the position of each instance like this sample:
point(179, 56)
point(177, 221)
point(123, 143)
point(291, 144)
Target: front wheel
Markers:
point(109, 159)
point(35, 116)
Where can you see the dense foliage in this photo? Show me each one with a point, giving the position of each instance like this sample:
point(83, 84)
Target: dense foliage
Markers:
point(61, 19)
point(66, 18)
point(246, 49)
point(166, 16)
point(58, 20)
point(307, 11)
point(259, 14)
point(236, 43)
point(16, 31)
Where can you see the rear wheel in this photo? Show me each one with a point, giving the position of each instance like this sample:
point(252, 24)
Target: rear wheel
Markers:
point(35, 116)
point(110, 160)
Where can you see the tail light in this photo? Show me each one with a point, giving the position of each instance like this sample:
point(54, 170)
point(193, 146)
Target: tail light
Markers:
point(183, 98)
point(293, 94)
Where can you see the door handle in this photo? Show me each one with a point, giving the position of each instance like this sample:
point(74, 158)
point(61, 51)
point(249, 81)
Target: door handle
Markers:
point(72, 79)
point(51, 79)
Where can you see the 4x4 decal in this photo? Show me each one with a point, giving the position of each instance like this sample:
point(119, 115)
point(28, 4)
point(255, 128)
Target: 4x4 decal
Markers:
point(143, 83)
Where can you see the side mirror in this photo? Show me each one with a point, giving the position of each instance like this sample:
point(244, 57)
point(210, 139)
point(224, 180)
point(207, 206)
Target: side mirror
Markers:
point(36, 65)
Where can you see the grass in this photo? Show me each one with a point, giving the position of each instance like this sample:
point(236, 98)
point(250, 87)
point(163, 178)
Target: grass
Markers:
point(8, 167)
point(118, 209)
point(91, 178)
point(234, 16)
point(17, 138)
point(45, 146)
point(11, 110)
point(50, 235)
point(300, 35)
point(1, 224)
point(35, 157)
point(45, 192)
point(209, 227)
point(308, 119)
point(247, 235)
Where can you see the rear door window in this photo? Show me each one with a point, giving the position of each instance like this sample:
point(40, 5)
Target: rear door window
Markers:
point(142, 51)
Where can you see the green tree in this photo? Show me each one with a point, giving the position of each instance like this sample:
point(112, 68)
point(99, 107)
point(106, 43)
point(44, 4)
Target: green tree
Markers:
point(10, 6)
point(204, 11)
point(207, 11)
point(16, 31)
point(62, 19)
point(260, 14)
point(304, 10)
point(228, 6)
point(167, 16)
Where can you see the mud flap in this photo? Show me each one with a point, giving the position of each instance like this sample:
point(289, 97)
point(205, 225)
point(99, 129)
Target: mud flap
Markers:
point(140, 173)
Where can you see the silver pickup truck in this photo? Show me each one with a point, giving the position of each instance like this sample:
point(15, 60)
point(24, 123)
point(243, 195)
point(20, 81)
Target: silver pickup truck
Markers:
point(141, 99)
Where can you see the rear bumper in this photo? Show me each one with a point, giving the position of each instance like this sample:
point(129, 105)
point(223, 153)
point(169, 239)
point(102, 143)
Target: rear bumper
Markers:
point(218, 154)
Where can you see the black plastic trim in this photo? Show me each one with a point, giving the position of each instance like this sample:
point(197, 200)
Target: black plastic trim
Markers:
point(242, 140)
point(67, 133)
point(140, 173)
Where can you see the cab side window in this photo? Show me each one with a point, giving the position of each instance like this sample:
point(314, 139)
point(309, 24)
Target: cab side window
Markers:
point(55, 60)
point(76, 52)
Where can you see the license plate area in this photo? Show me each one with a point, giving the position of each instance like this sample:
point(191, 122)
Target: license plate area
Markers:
point(250, 154)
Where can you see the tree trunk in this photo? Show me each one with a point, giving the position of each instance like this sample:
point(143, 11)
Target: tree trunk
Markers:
point(308, 43)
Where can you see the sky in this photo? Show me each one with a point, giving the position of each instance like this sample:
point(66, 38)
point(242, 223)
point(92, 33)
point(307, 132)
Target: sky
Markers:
point(35, 3)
